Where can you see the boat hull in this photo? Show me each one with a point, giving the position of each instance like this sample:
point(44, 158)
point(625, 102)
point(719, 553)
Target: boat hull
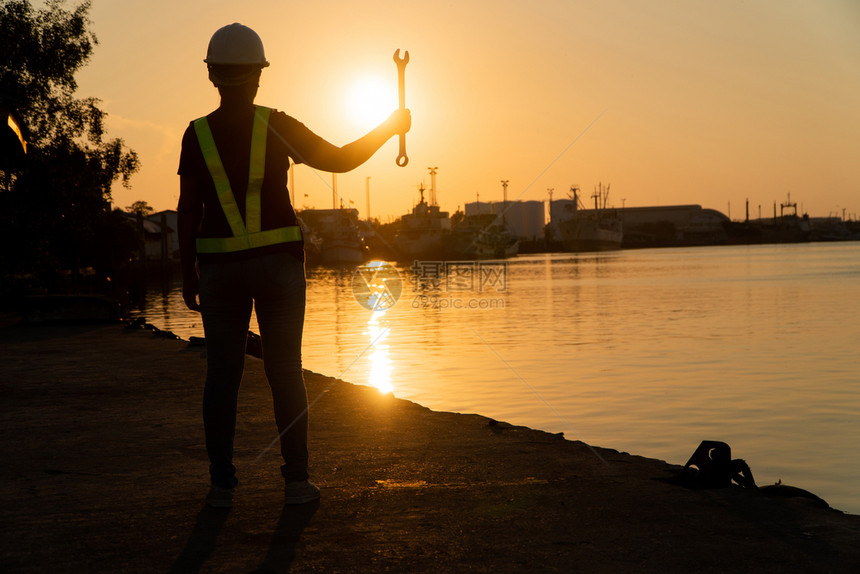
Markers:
point(581, 234)
point(339, 251)
point(425, 246)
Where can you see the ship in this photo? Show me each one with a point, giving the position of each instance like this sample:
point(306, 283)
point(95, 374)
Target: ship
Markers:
point(424, 233)
point(335, 235)
point(579, 229)
point(787, 227)
point(483, 236)
point(427, 233)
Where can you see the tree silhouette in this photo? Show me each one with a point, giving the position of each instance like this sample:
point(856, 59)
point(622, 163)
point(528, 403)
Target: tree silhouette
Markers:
point(55, 215)
point(140, 207)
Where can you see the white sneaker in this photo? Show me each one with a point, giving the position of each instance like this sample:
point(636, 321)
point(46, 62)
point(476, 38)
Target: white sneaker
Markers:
point(300, 492)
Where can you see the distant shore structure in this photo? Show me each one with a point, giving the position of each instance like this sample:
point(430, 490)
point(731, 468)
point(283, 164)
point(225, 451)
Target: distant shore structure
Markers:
point(526, 219)
point(648, 226)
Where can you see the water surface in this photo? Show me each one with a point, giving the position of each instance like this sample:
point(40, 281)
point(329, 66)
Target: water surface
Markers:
point(645, 351)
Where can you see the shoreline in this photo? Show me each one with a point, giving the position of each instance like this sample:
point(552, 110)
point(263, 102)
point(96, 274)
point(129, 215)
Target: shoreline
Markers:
point(106, 472)
point(254, 349)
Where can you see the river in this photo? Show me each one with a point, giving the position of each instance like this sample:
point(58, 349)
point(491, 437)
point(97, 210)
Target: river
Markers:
point(644, 351)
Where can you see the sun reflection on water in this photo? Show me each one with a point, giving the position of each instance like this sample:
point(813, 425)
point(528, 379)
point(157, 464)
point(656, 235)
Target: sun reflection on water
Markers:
point(380, 361)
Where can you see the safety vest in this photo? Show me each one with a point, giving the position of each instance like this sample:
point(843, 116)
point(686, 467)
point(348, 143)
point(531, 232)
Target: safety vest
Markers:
point(246, 234)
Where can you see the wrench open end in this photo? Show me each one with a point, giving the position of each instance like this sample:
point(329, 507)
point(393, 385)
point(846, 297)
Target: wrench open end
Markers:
point(398, 60)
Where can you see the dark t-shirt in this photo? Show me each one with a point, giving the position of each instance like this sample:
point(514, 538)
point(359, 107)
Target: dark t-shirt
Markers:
point(288, 139)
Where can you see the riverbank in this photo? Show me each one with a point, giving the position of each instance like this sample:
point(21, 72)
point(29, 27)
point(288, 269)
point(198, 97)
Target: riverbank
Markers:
point(105, 471)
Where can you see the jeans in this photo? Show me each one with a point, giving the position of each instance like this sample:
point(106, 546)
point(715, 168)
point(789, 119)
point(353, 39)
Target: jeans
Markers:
point(275, 285)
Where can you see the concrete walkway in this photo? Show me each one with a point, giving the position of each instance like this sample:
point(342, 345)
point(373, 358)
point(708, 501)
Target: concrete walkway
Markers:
point(104, 470)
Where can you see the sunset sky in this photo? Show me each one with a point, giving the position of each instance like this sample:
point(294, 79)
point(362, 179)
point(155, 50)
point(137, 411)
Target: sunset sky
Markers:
point(668, 101)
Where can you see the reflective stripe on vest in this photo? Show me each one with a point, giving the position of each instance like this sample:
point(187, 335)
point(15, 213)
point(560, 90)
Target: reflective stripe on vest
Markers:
point(247, 234)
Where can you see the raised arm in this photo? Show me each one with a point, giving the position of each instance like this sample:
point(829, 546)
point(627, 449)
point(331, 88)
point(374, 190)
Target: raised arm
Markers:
point(331, 158)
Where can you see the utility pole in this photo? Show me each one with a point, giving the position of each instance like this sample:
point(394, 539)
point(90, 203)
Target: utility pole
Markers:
point(367, 193)
point(334, 191)
point(550, 190)
point(432, 185)
point(504, 198)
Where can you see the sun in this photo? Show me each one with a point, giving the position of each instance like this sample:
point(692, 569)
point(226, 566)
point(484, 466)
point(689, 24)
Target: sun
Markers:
point(369, 100)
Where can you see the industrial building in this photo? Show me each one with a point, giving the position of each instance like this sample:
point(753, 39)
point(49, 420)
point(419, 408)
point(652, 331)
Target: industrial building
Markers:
point(526, 219)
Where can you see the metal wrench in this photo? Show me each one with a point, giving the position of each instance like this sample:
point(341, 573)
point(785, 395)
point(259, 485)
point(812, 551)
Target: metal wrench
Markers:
point(402, 160)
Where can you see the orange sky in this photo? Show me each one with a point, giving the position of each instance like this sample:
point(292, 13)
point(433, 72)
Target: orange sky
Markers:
point(669, 101)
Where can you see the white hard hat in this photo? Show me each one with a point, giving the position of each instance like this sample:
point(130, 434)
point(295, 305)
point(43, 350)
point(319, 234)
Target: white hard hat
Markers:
point(236, 44)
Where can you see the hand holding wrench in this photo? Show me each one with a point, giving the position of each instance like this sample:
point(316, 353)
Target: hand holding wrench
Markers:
point(402, 160)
